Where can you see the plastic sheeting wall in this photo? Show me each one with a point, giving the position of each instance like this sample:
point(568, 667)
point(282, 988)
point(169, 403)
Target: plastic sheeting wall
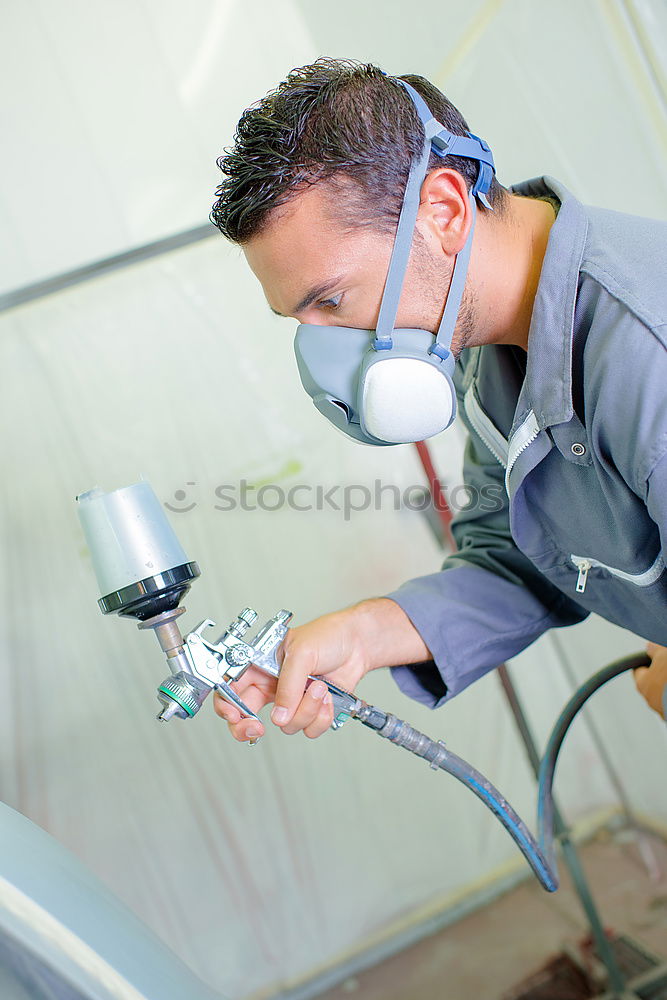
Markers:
point(260, 867)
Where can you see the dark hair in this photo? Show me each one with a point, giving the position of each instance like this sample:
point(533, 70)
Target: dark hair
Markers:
point(335, 120)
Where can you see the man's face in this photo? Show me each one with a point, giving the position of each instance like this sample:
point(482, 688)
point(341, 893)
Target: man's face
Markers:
point(314, 268)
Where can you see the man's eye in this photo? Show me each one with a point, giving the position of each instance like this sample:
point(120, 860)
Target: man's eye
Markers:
point(330, 303)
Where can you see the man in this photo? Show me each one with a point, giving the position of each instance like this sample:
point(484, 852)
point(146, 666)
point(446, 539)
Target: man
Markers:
point(557, 316)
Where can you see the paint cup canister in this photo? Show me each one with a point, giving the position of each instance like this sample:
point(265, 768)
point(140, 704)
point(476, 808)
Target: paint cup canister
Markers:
point(133, 547)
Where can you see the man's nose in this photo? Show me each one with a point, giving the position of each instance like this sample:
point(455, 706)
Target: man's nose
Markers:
point(313, 317)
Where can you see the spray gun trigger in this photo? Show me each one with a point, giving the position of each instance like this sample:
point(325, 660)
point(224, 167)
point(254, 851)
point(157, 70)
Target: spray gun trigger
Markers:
point(226, 692)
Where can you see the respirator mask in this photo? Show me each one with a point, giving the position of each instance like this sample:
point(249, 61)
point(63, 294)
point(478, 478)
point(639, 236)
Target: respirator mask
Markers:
point(388, 386)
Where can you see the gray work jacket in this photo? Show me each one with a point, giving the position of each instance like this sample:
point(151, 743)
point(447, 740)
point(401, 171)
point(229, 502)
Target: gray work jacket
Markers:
point(567, 457)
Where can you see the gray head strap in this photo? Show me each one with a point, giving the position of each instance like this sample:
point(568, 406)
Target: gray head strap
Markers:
point(443, 339)
point(405, 234)
point(401, 251)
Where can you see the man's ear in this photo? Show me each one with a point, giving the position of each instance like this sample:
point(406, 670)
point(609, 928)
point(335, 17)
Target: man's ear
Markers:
point(444, 210)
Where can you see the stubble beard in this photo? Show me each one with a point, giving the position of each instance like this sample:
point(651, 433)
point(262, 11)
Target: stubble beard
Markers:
point(466, 322)
point(466, 327)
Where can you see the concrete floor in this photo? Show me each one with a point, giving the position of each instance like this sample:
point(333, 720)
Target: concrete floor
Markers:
point(487, 953)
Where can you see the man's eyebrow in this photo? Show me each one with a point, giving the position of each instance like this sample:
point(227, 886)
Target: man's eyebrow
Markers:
point(315, 293)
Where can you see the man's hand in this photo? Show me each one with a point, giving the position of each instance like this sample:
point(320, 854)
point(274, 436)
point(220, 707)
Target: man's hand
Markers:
point(652, 681)
point(343, 646)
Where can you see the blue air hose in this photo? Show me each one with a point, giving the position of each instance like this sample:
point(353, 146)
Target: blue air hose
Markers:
point(540, 856)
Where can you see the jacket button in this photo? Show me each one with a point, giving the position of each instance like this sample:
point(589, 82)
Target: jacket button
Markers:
point(578, 449)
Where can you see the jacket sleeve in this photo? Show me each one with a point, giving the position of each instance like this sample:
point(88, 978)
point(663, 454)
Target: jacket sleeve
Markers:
point(487, 603)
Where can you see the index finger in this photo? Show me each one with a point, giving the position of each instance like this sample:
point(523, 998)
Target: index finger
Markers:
point(252, 680)
point(296, 667)
point(241, 727)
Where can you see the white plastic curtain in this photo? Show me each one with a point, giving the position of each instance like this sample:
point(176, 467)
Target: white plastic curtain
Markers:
point(262, 867)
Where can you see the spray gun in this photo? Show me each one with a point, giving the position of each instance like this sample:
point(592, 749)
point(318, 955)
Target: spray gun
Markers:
point(143, 573)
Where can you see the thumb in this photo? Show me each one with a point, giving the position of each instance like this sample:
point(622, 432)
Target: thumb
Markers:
point(297, 664)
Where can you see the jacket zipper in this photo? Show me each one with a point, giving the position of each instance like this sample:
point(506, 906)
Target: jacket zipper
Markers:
point(583, 565)
point(489, 433)
point(505, 452)
point(645, 579)
point(523, 436)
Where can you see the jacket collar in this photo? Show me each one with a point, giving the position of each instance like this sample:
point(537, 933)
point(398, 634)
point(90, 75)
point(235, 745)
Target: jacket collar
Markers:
point(547, 388)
